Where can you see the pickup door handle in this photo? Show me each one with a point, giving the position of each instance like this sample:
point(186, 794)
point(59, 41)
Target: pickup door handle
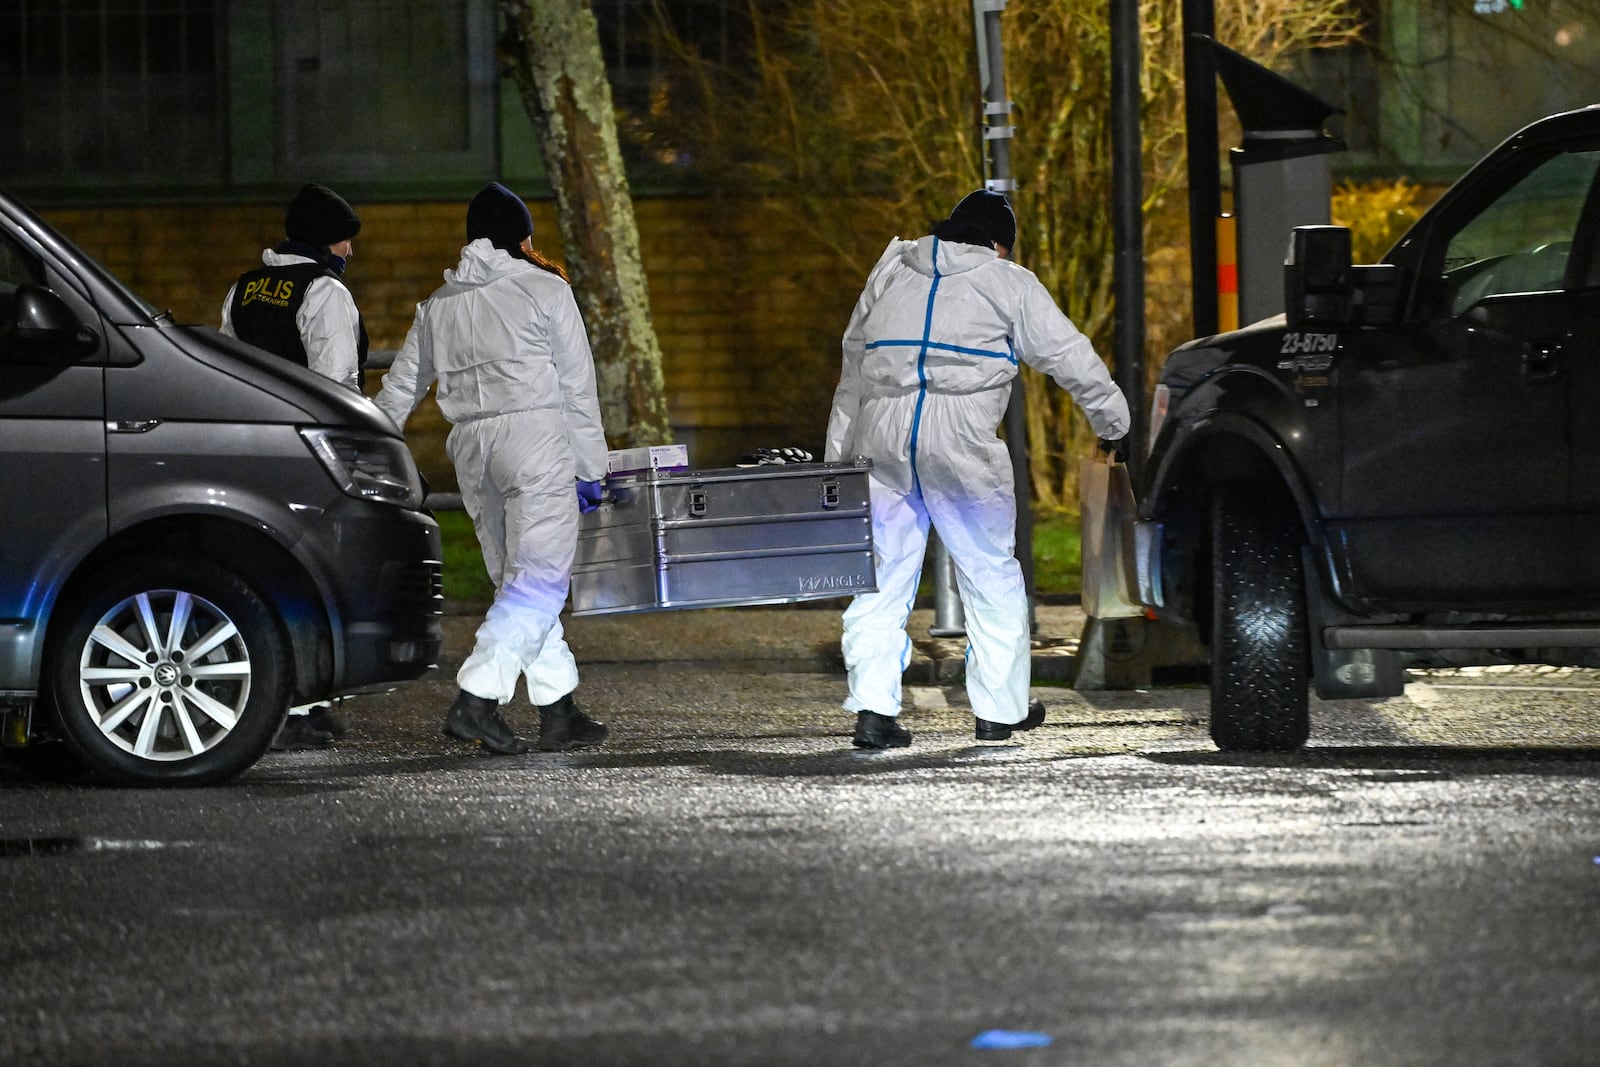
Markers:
point(1541, 362)
point(133, 426)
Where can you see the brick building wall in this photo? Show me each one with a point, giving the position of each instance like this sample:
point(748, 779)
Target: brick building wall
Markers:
point(748, 310)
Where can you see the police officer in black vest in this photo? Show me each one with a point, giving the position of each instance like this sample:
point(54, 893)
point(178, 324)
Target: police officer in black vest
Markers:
point(297, 306)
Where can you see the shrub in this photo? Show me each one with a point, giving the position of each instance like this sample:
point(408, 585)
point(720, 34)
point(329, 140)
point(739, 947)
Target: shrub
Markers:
point(1378, 213)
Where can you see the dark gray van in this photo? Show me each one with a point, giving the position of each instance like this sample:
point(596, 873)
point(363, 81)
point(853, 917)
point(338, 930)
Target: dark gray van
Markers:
point(197, 534)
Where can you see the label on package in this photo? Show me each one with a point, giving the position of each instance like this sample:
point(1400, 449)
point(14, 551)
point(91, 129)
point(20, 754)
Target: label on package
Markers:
point(647, 458)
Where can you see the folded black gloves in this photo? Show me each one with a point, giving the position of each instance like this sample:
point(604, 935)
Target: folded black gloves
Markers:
point(766, 457)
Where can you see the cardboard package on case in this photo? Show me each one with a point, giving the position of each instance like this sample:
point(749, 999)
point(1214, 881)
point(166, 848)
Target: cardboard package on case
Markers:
point(674, 539)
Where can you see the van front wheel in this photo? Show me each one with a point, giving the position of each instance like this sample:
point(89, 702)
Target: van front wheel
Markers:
point(1260, 661)
point(171, 671)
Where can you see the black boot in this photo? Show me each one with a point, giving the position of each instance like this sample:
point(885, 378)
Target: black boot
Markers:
point(880, 731)
point(999, 731)
point(298, 733)
point(477, 719)
point(323, 718)
point(563, 726)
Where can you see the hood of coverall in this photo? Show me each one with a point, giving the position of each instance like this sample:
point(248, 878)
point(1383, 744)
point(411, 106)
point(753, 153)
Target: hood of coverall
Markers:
point(482, 263)
point(953, 258)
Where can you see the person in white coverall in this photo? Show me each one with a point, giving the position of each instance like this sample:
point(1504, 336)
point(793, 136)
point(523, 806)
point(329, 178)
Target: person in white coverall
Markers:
point(930, 355)
point(516, 380)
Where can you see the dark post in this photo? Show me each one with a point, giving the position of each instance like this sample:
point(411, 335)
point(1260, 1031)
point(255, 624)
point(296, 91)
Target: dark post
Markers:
point(1127, 280)
point(1127, 219)
point(1205, 180)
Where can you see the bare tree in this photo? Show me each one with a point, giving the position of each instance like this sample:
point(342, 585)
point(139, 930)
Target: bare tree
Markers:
point(551, 49)
point(878, 100)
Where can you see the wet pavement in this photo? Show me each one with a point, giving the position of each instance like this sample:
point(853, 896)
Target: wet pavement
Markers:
point(727, 881)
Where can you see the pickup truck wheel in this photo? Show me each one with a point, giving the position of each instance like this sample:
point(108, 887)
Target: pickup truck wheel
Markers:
point(1260, 664)
point(171, 672)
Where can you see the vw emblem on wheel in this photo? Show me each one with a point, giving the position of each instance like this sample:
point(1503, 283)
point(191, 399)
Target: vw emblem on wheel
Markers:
point(166, 674)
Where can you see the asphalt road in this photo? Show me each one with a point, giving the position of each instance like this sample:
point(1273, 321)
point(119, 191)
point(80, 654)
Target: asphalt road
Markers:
point(728, 882)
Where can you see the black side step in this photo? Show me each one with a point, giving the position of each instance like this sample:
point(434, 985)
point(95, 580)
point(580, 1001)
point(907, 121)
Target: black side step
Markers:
point(1484, 635)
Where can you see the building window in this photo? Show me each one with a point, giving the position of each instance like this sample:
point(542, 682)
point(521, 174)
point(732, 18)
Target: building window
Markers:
point(385, 89)
point(124, 89)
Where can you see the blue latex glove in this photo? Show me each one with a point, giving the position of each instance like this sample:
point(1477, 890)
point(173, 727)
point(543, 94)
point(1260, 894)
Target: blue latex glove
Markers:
point(589, 496)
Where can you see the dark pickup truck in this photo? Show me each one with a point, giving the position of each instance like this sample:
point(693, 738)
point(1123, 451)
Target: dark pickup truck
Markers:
point(1403, 469)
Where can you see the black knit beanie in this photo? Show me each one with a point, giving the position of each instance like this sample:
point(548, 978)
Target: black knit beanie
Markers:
point(500, 215)
point(319, 216)
point(990, 213)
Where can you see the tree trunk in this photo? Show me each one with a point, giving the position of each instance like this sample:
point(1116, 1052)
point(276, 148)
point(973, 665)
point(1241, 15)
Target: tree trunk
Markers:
point(552, 49)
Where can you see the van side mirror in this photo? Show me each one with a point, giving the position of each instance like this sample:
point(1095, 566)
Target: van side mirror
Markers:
point(40, 324)
point(1318, 285)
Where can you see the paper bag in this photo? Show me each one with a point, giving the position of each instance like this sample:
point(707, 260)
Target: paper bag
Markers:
point(1107, 511)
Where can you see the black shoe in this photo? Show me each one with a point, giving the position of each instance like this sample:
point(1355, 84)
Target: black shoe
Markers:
point(999, 731)
point(477, 719)
point(563, 726)
point(880, 731)
point(323, 718)
point(298, 733)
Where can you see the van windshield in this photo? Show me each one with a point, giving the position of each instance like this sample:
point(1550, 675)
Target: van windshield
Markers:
point(21, 263)
point(142, 310)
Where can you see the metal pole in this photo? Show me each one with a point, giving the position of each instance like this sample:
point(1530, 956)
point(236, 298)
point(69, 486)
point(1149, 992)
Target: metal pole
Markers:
point(949, 620)
point(1205, 180)
point(997, 135)
point(997, 128)
point(1127, 218)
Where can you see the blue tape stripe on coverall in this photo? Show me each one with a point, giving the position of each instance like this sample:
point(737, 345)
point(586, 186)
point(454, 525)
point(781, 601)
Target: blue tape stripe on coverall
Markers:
point(916, 424)
point(1010, 356)
point(922, 371)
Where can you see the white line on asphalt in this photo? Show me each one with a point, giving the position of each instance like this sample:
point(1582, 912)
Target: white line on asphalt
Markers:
point(1517, 688)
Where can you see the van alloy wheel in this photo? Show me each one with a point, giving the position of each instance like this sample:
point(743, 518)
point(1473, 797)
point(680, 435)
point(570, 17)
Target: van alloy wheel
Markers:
point(166, 674)
point(175, 674)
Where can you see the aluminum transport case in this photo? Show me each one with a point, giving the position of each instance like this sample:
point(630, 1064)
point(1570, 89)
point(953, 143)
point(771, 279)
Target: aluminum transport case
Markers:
point(673, 539)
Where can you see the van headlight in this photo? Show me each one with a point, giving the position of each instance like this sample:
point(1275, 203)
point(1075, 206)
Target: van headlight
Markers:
point(367, 466)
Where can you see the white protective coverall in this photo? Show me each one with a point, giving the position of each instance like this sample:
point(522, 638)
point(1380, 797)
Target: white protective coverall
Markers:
point(328, 322)
point(929, 358)
point(517, 383)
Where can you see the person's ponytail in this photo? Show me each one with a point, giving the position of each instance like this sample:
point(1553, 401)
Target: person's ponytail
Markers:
point(538, 259)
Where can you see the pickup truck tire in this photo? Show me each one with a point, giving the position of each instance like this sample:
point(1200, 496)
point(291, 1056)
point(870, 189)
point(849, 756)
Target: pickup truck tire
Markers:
point(169, 670)
point(1260, 664)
